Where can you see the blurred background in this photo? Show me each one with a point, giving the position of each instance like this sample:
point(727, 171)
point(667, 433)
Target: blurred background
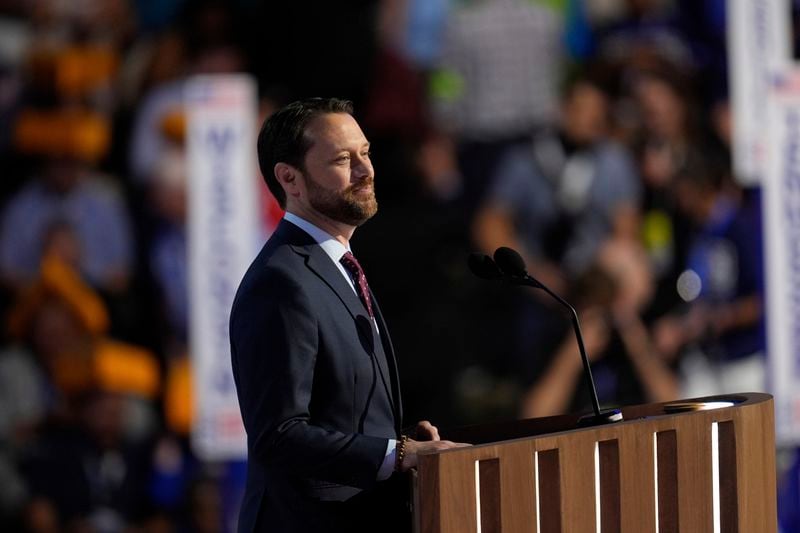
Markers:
point(594, 136)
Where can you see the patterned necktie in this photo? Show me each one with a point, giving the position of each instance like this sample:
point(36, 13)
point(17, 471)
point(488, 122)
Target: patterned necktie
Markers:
point(350, 263)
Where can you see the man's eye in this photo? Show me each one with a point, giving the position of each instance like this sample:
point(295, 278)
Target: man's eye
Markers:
point(343, 159)
point(366, 154)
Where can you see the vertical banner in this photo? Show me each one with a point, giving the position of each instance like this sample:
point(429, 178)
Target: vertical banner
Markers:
point(224, 235)
point(759, 43)
point(781, 197)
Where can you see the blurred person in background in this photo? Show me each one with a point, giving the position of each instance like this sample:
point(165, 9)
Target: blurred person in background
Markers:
point(627, 369)
point(64, 323)
point(61, 351)
point(75, 51)
point(669, 124)
point(669, 127)
point(496, 82)
point(88, 476)
point(67, 190)
point(28, 395)
point(68, 143)
point(557, 199)
point(167, 247)
point(720, 327)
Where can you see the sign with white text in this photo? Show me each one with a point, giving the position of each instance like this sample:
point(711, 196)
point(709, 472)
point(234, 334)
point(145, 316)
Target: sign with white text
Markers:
point(759, 44)
point(224, 236)
point(781, 190)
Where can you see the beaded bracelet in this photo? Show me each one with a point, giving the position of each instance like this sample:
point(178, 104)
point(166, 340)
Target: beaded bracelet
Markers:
point(401, 452)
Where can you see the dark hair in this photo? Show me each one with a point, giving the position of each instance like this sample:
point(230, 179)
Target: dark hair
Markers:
point(594, 287)
point(283, 137)
point(582, 79)
point(704, 170)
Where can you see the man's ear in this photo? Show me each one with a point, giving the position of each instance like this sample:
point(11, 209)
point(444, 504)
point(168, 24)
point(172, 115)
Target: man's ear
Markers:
point(288, 177)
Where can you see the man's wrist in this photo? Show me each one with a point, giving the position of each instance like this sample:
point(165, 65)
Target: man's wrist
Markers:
point(400, 453)
point(389, 461)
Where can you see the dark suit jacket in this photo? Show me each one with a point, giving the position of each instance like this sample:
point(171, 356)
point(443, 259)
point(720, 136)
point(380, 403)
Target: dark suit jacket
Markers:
point(318, 391)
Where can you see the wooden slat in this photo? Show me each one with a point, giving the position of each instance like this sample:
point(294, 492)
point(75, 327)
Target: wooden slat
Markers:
point(755, 461)
point(489, 483)
point(457, 493)
point(610, 518)
point(549, 491)
point(668, 509)
point(695, 483)
point(518, 489)
point(578, 490)
point(416, 517)
point(637, 482)
point(728, 489)
point(427, 503)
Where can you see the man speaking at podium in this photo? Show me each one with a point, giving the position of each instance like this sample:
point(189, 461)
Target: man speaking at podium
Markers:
point(312, 359)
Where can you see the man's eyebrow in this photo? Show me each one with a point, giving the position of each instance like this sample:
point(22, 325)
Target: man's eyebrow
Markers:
point(338, 149)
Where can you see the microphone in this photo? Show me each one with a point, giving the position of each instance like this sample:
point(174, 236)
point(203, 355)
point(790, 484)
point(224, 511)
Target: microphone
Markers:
point(509, 266)
point(482, 266)
point(511, 263)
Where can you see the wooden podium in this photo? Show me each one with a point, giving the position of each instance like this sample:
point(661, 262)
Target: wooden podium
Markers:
point(664, 469)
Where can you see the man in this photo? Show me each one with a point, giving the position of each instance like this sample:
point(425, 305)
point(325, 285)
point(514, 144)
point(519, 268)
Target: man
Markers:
point(312, 358)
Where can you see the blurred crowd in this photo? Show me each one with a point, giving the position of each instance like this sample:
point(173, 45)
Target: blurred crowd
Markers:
point(592, 136)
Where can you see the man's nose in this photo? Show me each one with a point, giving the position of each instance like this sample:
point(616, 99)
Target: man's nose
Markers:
point(362, 170)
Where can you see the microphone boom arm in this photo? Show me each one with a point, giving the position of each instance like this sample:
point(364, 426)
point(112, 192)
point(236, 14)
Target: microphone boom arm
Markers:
point(587, 368)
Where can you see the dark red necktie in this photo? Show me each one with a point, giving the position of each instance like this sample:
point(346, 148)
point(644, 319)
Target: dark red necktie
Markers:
point(350, 263)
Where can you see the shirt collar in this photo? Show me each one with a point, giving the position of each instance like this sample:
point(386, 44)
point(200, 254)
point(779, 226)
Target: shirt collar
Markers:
point(326, 241)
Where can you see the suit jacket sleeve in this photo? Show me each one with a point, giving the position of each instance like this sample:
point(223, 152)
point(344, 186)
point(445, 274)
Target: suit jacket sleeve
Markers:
point(274, 345)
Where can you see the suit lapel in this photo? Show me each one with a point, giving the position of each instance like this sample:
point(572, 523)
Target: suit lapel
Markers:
point(388, 349)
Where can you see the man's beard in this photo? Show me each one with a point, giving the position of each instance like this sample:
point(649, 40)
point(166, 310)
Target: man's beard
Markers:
point(344, 206)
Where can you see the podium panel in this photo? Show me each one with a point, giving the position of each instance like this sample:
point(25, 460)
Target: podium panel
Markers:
point(691, 466)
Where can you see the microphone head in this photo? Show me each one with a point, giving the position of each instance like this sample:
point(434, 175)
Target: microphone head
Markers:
point(510, 262)
point(483, 266)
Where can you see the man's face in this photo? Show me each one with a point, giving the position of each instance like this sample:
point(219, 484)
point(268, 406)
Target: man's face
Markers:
point(585, 114)
point(339, 179)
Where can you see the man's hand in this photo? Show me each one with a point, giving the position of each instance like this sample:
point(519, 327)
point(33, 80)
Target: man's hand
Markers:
point(426, 431)
point(426, 439)
point(414, 447)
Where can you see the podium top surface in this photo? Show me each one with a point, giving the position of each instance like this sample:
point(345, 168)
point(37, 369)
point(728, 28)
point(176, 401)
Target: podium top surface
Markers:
point(509, 430)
